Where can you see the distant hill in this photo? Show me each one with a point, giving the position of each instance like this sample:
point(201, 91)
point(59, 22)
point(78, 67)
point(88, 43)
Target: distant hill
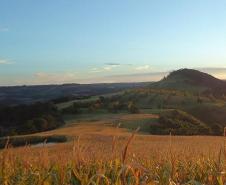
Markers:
point(15, 95)
point(193, 81)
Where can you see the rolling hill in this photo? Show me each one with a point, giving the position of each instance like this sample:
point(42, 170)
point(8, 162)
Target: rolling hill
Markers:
point(193, 81)
point(197, 96)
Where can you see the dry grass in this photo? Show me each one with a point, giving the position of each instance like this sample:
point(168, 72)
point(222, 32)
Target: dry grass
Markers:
point(101, 127)
point(132, 117)
point(101, 154)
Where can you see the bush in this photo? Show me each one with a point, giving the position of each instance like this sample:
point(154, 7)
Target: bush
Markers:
point(132, 108)
point(115, 106)
point(73, 109)
point(179, 123)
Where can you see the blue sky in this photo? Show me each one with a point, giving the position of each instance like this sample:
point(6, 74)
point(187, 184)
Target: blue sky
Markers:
point(86, 41)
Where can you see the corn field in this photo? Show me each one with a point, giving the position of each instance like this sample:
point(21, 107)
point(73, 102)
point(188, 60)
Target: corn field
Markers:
point(116, 164)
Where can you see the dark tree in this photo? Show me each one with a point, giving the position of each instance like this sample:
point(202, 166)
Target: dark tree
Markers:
point(132, 108)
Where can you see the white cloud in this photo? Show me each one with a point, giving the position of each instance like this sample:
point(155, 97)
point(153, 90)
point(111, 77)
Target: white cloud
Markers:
point(141, 68)
point(96, 70)
point(107, 67)
point(4, 61)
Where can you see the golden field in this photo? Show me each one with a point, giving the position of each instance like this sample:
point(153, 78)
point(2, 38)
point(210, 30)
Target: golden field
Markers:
point(100, 153)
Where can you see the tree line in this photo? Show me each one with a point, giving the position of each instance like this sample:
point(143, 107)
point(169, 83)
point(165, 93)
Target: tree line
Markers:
point(26, 119)
point(111, 104)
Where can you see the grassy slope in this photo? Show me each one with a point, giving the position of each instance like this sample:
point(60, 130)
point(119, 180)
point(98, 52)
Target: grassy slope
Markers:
point(192, 81)
point(178, 82)
point(96, 123)
point(91, 99)
point(158, 100)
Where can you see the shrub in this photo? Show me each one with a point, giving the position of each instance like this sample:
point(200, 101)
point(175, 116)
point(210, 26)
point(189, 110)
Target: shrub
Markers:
point(115, 106)
point(179, 123)
point(132, 108)
point(73, 109)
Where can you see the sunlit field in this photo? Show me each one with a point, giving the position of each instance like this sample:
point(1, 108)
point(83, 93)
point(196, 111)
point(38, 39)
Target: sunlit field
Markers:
point(100, 153)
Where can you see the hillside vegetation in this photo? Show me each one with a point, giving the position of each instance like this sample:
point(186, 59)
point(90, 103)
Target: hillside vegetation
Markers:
point(192, 94)
point(178, 122)
point(193, 81)
point(26, 119)
point(186, 101)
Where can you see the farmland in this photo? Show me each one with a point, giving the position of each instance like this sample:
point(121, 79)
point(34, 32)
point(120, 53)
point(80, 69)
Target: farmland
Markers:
point(108, 139)
point(99, 152)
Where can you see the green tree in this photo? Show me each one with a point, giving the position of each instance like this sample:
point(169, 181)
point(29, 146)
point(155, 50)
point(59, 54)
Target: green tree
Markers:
point(114, 106)
point(132, 108)
point(30, 126)
point(41, 124)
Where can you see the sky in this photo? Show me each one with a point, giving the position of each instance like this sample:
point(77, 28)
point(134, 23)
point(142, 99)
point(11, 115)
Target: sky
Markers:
point(92, 41)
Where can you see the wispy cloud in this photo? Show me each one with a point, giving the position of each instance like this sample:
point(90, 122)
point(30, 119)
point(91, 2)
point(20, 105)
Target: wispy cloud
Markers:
point(138, 77)
point(106, 67)
point(117, 64)
point(47, 78)
point(5, 62)
point(141, 68)
point(4, 29)
point(96, 70)
point(112, 64)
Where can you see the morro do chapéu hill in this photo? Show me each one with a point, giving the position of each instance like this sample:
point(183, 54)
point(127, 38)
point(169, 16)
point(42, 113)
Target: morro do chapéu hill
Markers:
point(192, 80)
